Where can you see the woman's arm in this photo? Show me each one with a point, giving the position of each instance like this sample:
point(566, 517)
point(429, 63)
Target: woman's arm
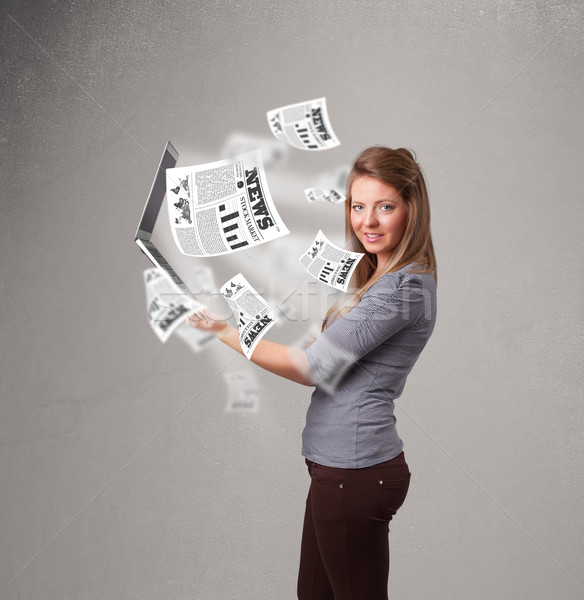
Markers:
point(285, 361)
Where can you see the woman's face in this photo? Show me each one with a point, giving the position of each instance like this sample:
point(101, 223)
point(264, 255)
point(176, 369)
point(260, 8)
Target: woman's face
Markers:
point(378, 216)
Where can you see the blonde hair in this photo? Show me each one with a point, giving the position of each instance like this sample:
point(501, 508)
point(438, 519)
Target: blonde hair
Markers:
point(399, 169)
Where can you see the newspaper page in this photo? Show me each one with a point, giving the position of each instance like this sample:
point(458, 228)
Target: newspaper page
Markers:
point(166, 305)
point(253, 314)
point(330, 186)
point(285, 312)
point(243, 391)
point(204, 281)
point(339, 362)
point(308, 336)
point(274, 152)
point(318, 194)
point(195, 339)
point(342, 361)
point(330, 264)
point(221, 207)
point(304, 125)
point(335, 178)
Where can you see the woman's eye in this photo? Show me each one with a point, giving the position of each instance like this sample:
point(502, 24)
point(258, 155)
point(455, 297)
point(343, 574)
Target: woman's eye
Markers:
point(386, 207)
point(357, 208)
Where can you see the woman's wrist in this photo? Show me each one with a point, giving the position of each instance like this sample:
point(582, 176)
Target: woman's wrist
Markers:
point(223, 332)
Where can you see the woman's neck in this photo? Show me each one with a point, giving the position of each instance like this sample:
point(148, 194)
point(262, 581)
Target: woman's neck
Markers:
point(379, 269)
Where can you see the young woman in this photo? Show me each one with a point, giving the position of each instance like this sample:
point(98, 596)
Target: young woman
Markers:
point(359, 476)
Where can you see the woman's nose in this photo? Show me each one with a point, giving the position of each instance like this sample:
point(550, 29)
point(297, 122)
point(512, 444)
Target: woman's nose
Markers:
point(370, 218)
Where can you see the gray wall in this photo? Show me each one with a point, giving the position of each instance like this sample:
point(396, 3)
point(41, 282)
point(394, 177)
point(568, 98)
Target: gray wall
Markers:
point(122, 476)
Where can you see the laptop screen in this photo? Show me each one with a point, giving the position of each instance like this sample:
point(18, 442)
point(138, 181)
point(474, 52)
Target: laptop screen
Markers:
point(151, 210)
point(157, 192)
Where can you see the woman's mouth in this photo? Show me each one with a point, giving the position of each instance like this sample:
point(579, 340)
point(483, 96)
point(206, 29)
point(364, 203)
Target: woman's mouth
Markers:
point(372, 237)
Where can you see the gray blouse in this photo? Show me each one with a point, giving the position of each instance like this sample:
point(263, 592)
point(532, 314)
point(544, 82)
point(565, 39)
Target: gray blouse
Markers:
point(360, 363)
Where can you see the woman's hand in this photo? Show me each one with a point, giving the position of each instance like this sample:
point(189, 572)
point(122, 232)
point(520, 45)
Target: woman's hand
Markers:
point(207, 321)
point(309, 343)
point(281, 360)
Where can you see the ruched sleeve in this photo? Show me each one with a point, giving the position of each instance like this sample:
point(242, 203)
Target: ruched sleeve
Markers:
point(395, 302)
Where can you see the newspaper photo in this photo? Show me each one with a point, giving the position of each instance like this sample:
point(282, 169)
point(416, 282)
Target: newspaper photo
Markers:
point(166, 305)
point(318, 194)
point(304, 125)
point(330, 264)
point(221, 207)
point(253, 314)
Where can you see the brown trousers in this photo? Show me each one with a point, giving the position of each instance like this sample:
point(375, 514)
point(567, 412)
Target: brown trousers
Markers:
point(345, 544)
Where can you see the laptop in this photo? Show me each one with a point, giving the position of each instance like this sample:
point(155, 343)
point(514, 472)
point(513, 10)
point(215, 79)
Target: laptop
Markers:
point(144, 234)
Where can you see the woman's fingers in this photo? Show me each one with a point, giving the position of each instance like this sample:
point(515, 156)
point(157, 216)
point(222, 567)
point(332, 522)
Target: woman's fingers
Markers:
point(197, 319)
point(204, 320)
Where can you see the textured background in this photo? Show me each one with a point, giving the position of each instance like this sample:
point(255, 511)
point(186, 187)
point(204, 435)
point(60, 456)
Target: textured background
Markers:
point(122, 476)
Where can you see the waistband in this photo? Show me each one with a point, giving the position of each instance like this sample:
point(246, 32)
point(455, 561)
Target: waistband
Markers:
point(400, 459)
